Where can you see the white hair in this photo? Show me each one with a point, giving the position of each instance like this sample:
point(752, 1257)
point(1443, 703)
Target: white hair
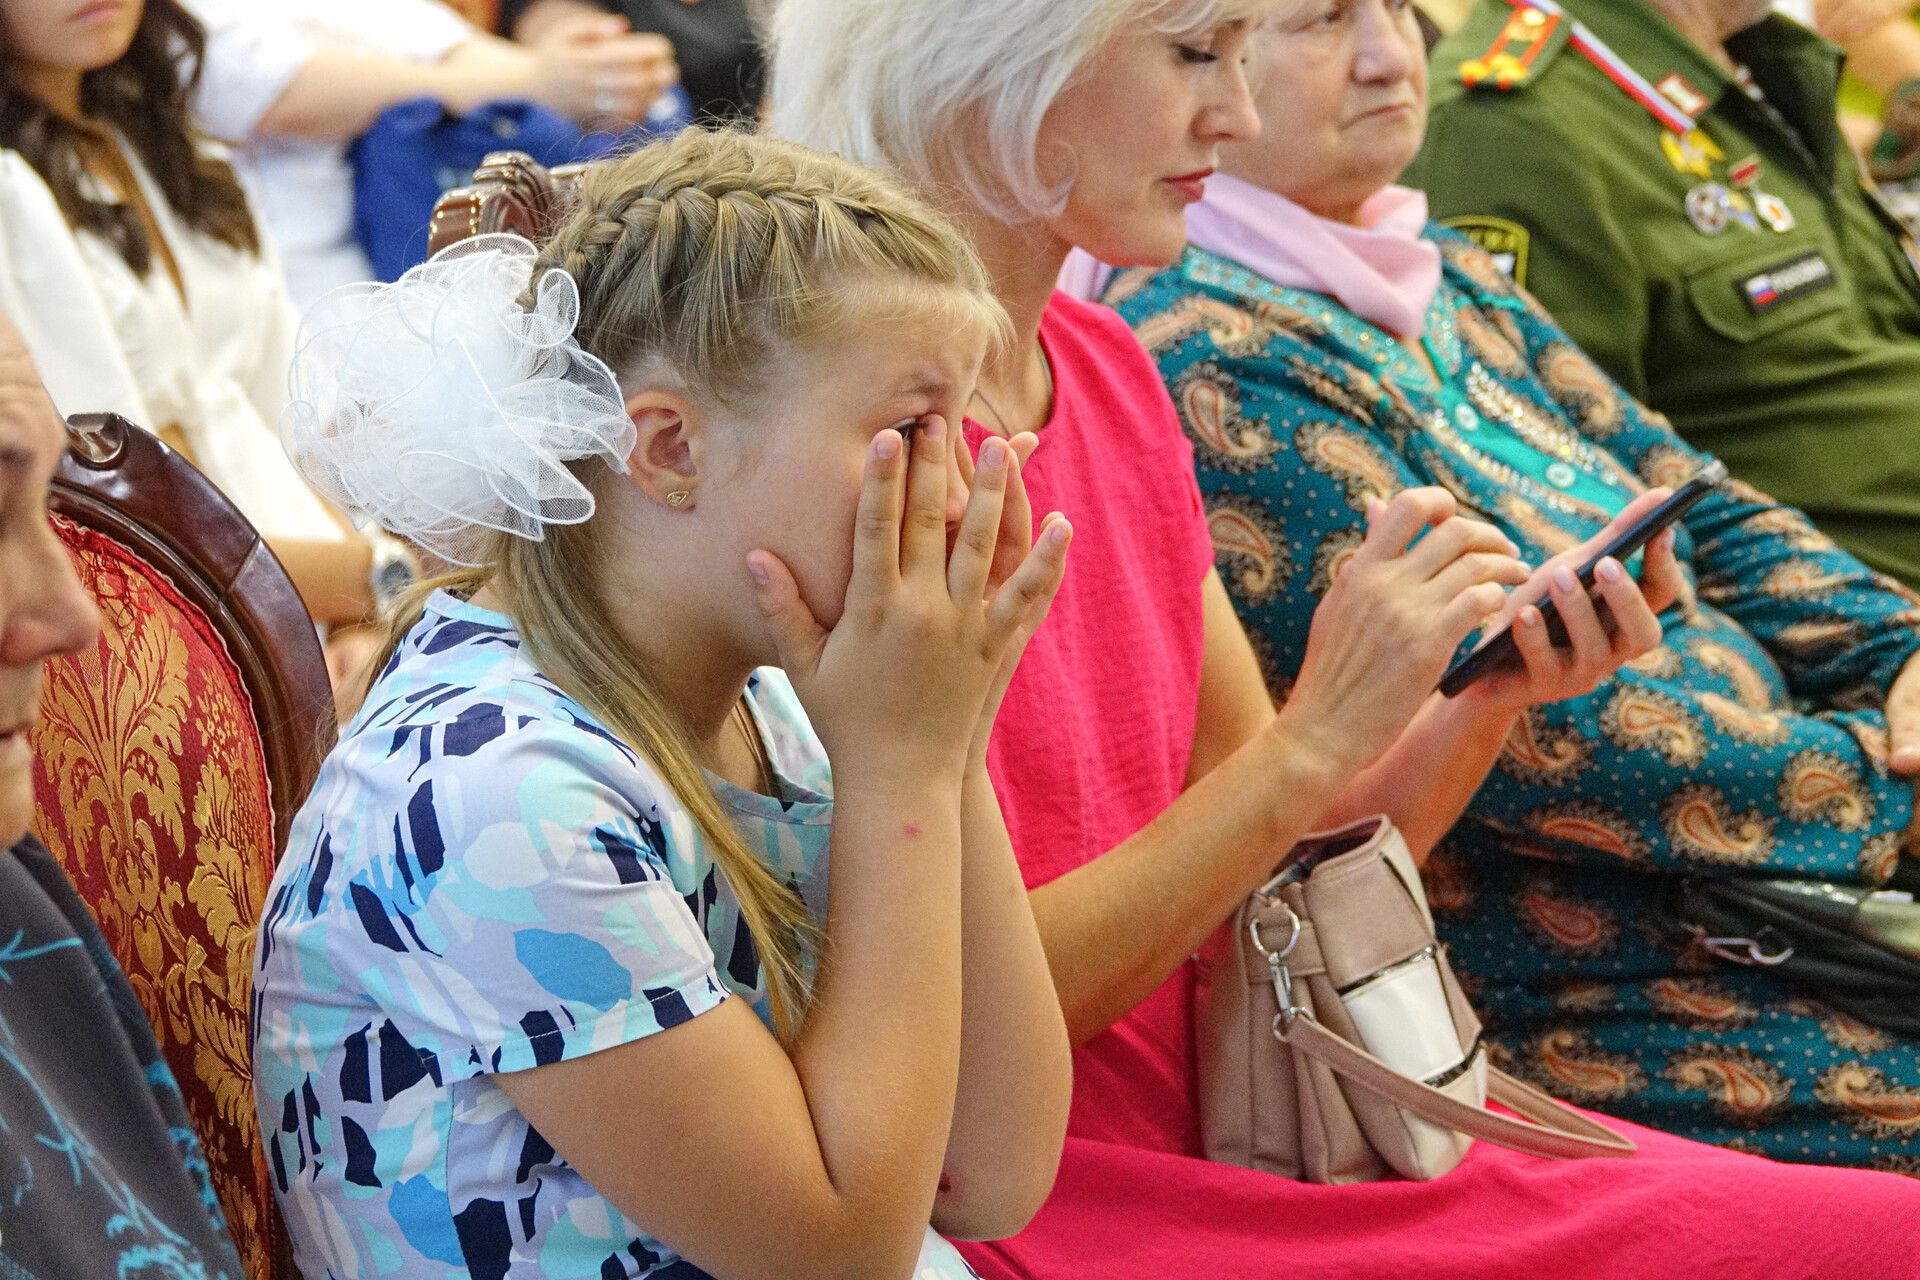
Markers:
point(951, 92)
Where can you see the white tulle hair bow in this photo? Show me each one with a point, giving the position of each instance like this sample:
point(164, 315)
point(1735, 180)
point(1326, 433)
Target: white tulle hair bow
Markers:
point(439, 407)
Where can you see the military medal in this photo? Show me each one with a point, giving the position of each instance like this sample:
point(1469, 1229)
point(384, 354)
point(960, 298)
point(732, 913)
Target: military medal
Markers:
point(1708, 208)
point(1692, 152)
point(1740, 209)
point(1773, 211)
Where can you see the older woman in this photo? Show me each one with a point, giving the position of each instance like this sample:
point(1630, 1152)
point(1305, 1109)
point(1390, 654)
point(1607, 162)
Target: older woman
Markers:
point(1327, 345)
point(1147, 781)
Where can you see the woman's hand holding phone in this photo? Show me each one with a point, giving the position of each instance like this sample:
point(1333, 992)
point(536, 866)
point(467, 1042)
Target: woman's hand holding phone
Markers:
point(1615, 624)
point(1390, 622)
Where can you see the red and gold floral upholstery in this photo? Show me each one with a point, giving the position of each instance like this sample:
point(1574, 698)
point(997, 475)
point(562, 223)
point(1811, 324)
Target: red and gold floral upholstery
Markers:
point(159, 755)
point(152, 792)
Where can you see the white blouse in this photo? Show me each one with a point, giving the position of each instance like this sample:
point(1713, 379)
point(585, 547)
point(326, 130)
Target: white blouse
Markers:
point(105, 339)
point(303, 190)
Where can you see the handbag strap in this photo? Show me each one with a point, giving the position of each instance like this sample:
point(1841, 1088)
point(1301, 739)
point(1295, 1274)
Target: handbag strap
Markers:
point(1549, 1128)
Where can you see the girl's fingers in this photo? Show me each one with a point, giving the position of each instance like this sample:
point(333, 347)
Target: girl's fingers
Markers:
point(981, 525)
point(963, 458)
point(876, 525)
point(797, 636)
point(1636, 627)
point(1016, 518)
point(923, 533)
point(1016, 513)
point(1026, 595)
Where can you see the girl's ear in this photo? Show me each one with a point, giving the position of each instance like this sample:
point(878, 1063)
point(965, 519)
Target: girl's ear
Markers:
point(662, 465)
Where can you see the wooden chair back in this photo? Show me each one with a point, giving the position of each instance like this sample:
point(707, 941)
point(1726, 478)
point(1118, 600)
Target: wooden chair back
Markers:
point(510, 192)
point(169, 759)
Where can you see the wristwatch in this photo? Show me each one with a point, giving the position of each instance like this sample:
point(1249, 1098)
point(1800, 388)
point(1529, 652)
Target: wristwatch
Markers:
point(395, 568)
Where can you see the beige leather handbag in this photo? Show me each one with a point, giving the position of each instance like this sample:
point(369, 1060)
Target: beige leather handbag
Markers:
point(1335, 1042)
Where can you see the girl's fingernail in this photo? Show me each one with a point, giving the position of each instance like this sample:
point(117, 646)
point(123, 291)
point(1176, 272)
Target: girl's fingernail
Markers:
point(936, 428)
point(993, 454)
point(1059, 533)
point(1563, 580)
point(1529, 617)
point(759, 572)
point(886, 444)
point(1610, 571)
point(1513, 548)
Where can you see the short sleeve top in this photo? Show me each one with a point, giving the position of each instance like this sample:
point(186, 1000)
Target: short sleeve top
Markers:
point(487, 879)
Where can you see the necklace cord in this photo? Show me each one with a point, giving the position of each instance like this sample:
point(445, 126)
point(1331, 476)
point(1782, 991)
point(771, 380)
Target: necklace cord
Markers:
point(999, 419)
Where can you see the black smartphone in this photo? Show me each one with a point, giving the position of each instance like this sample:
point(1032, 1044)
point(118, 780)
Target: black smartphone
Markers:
point(1500, 652)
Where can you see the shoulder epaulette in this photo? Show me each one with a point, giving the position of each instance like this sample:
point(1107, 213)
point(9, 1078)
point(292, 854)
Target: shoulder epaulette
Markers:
point(1527, 41)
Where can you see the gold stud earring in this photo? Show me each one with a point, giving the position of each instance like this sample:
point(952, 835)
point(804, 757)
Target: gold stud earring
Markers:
point(677, 497)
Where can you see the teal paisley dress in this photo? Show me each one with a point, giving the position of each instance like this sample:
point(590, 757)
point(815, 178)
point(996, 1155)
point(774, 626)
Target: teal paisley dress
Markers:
point(1749, 742)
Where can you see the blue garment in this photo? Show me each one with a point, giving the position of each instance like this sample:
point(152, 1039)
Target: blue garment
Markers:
point(100, 1171)
point(416, 152)
point(486, 879)
point(1750, 741)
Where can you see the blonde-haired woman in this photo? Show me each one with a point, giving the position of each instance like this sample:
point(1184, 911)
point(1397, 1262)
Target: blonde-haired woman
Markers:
point(1145, 776)
point(579, 813)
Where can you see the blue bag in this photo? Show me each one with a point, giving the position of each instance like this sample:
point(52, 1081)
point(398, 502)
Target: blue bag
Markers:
point(416, 152)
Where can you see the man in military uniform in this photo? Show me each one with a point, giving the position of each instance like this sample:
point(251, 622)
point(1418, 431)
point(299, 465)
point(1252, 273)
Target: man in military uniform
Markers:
point(1669, 179)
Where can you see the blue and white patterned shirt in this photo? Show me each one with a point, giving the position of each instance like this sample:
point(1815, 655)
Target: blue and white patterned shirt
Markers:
point(485, 879)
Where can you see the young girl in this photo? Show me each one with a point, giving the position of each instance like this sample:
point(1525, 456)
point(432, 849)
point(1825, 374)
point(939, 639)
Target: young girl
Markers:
point(572, 820)
point(136, 272)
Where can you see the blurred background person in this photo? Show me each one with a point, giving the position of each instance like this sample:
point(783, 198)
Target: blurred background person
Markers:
point(1688, 210)
point(713, 41)
point(142, 282)
point(293, 83)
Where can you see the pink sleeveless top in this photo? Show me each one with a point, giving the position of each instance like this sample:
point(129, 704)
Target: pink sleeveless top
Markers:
point(1093, 740)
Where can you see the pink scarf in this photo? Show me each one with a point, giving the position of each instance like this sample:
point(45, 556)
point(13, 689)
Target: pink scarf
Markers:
point(1383, 270)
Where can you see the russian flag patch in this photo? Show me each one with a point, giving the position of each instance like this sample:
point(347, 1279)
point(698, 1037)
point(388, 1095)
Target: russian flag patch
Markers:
point(1782, 282)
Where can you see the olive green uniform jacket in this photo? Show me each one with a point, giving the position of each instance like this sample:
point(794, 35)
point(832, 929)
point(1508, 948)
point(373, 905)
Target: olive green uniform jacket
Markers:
point(1739, 279)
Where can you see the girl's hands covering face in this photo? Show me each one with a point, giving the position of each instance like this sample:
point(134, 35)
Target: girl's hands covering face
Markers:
point(931, 628)
point(1015, 539)
point(1597, 643)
